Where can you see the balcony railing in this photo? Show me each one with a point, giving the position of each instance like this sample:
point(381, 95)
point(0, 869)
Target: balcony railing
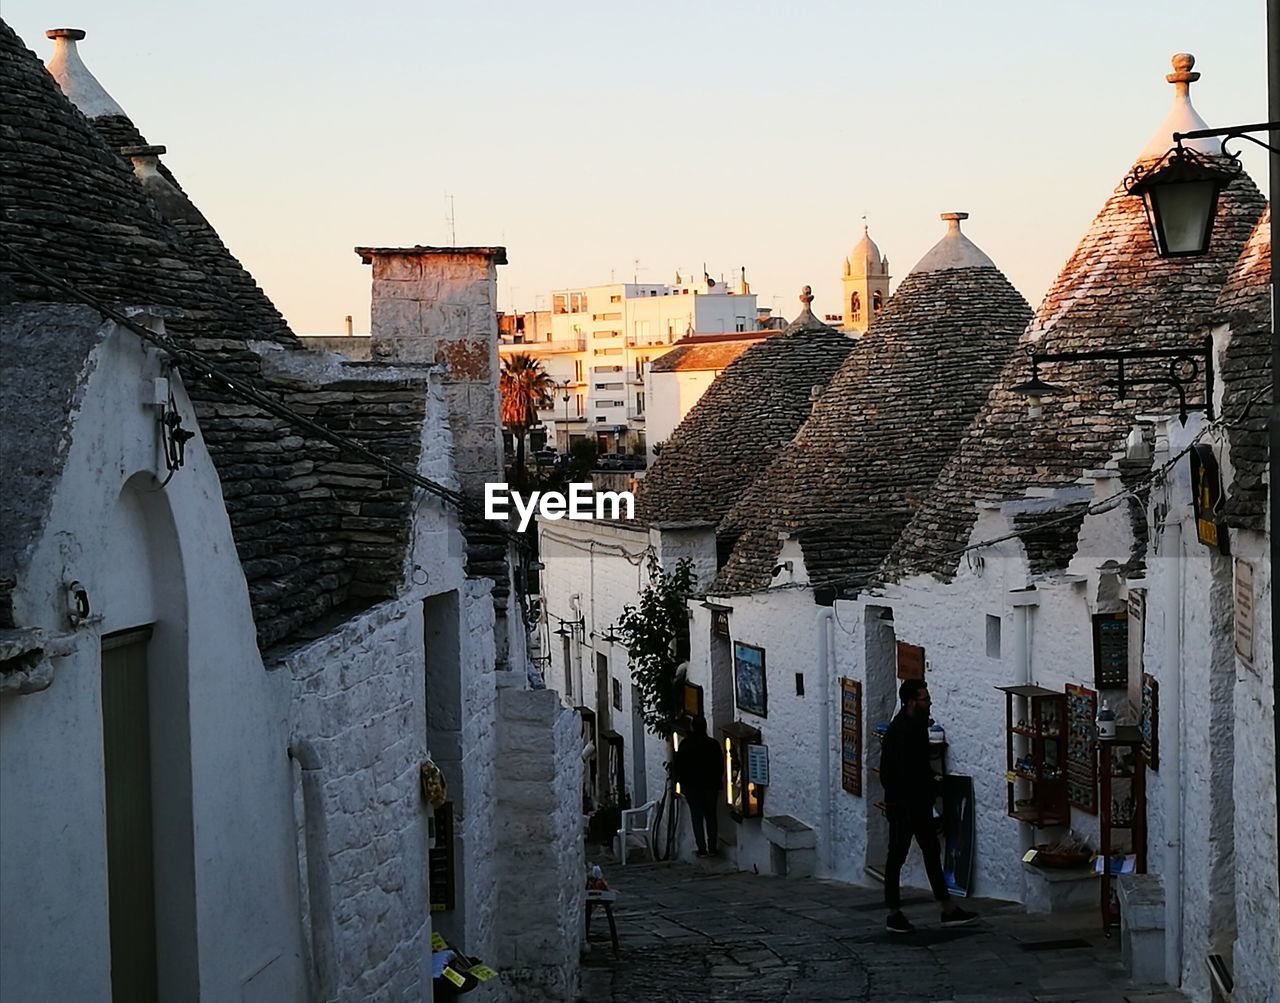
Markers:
point(544, 347)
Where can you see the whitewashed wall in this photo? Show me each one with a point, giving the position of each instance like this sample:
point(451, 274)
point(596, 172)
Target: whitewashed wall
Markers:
point(170, 559)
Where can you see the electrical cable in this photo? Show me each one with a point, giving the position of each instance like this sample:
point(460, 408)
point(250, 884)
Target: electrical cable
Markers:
point(1101, 505)
point(202, 366)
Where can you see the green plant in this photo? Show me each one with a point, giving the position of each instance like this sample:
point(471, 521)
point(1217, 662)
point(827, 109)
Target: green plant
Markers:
point(655, 633)
point(524, 387)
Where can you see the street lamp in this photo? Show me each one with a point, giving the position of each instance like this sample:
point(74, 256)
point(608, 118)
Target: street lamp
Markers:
point(1180, 190)
point(1186, 367)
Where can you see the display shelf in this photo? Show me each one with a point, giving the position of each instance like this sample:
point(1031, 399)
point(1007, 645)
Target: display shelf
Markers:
point(1035, 736)
point(1040, 819)
point(1121, 774)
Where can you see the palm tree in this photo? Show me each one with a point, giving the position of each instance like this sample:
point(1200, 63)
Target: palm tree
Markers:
point(525, 387)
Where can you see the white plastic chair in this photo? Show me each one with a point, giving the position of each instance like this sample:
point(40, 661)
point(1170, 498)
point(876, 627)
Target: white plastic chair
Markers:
point(637, 823)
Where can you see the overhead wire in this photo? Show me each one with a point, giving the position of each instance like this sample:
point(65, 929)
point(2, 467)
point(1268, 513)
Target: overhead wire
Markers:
point(204, 367)
point(885, 571)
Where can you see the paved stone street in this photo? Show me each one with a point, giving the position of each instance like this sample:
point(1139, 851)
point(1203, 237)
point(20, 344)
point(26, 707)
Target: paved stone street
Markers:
point(700, 933)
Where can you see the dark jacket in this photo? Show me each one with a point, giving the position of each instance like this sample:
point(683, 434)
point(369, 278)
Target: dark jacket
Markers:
point(699, 766)
point(905, 769)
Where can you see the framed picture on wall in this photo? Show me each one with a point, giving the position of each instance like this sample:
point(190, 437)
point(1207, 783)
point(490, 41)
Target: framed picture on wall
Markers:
point(749, 684)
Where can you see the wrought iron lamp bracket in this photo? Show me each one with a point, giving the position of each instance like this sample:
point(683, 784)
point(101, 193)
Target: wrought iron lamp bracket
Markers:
point(1232, 132)
point(1186, 368)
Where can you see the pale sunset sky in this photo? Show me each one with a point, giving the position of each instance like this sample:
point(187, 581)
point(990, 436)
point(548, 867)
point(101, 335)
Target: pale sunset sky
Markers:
point(585, 136)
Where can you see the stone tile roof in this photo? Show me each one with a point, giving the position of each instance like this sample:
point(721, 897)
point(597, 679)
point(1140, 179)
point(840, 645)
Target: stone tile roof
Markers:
point(34, 405)
point(688, 355)
point(314, 534)
point(1112, 291)
point(882, 429)
point(749, 413)
point(1245, 370)
point(1049, 536)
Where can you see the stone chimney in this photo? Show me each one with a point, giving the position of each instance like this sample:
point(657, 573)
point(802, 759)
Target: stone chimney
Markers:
point(77, 83)
point(439, 305)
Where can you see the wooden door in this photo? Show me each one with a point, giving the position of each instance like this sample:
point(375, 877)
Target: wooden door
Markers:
point(126, 753)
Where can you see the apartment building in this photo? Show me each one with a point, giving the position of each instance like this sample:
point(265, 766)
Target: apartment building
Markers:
point(596, 342)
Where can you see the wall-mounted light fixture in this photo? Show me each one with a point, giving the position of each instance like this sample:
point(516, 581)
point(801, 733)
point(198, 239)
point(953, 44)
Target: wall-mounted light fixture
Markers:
point(1185, 368)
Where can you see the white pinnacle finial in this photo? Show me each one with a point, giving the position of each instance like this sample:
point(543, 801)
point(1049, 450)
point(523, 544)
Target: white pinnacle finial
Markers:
point(1182, 116)
point(79, 85)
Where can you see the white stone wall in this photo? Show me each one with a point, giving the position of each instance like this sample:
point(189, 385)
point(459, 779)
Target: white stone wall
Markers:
point(358, 701)
point(671, 397)
point(1257, 950)
point(1226, 778)
point(595, 569)
point(543, 868)
point(223, 820)
point(784, 624)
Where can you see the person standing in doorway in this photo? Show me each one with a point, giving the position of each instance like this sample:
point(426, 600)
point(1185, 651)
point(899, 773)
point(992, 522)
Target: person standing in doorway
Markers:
point(910, 789)
point(699, 770)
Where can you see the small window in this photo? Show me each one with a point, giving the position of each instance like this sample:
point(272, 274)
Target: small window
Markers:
point(993, 636)
point(799, 684)
point(615, 298)
point(617, 694)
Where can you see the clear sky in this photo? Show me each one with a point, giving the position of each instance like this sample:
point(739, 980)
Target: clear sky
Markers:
point(587, 135)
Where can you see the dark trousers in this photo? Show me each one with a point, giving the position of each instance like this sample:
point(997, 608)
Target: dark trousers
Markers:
point(702, 811)
point(906, 824)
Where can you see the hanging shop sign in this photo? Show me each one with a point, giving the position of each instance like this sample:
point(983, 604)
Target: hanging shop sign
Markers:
point(749, 682)
point(1082, 769)
point(1111, 650)
point(1149, 721)
point(851, 736)
point(910, 661)
point(691, 699)
point(720, 622)
point(1244, 613)
point(1206, 491)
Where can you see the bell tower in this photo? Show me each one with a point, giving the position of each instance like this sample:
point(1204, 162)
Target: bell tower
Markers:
point(865, 284)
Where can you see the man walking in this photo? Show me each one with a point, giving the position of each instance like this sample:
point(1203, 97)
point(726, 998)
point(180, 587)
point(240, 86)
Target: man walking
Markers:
point(699, 769)
point(910, 789)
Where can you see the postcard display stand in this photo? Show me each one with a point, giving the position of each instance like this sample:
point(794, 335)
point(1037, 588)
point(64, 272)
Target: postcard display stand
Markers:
point(1035, 766)
point(1122, 803)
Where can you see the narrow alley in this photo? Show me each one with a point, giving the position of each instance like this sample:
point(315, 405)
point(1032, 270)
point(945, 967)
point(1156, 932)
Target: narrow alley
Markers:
point(702, 933)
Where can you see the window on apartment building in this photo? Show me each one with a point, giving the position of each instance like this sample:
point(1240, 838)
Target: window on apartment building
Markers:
point(606, 351)
point(640, 366)
point(577, 302)
point(615, 298)
point(577, 370)
point(642, 332)
point(581, 404)
point(559, 304)
point(640, 403)
point(606, 316)
point(672, 326)
point(740, 324)
point(993, 636)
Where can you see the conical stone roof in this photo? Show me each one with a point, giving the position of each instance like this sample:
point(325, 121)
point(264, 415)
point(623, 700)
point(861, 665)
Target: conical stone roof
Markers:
point(310, 539)
point(751, 411)
point(1112, 292)
point(881, 431)
point(1245, 370)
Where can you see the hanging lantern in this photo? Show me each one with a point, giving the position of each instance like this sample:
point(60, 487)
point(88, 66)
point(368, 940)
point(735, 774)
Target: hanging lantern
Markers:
point(1180, 196)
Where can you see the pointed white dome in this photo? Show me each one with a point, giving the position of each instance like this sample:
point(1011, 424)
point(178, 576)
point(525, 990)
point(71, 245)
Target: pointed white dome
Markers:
point(79, 85)
point(1182, 116)
point(954, 250)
